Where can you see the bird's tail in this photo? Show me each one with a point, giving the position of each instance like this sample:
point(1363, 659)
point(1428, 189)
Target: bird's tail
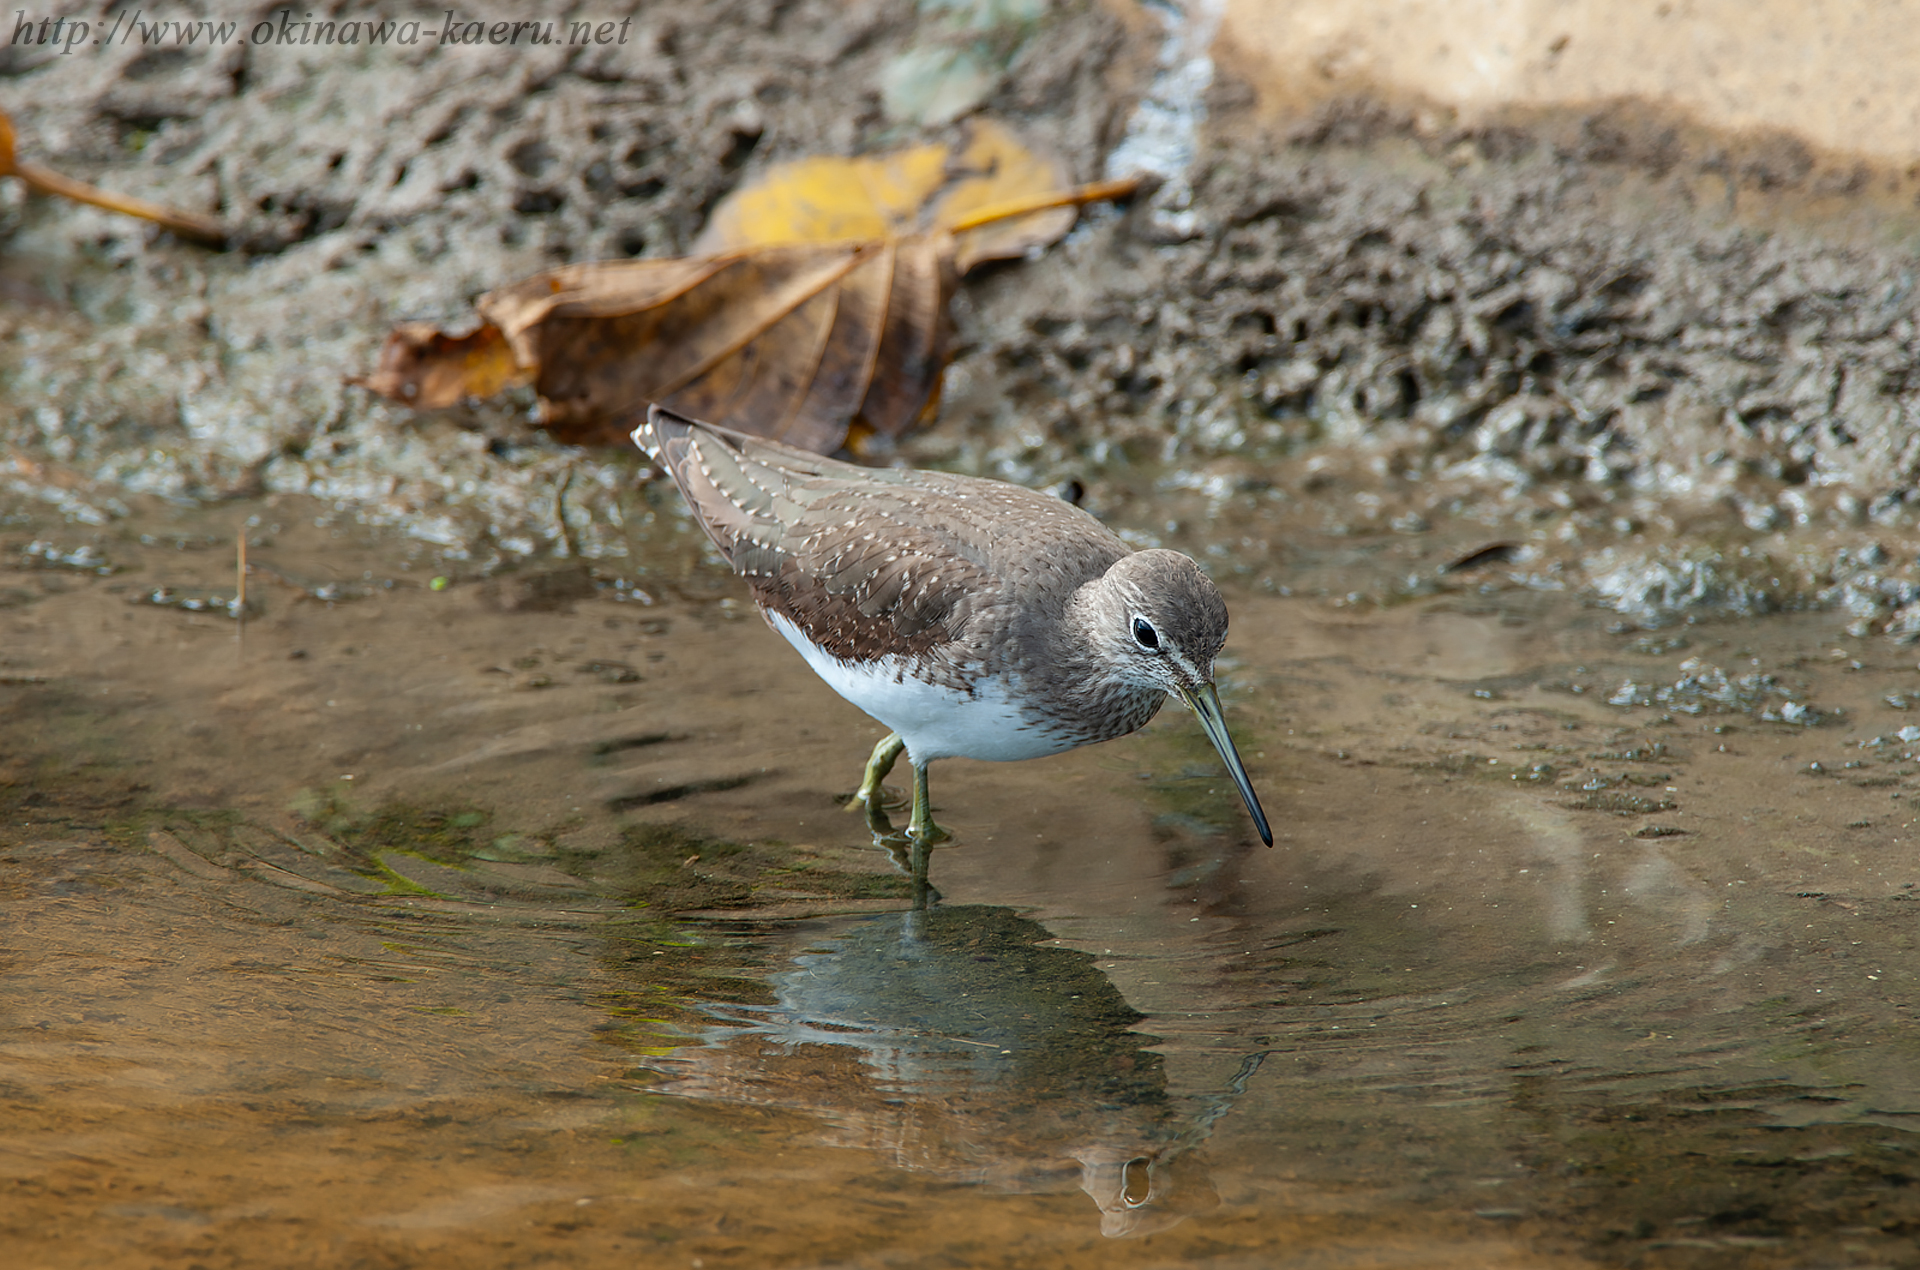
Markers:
point(667, 438)
point(659, 431)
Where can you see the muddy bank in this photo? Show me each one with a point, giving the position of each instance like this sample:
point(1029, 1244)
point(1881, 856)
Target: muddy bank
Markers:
point(369, 185)
point(1671, 366)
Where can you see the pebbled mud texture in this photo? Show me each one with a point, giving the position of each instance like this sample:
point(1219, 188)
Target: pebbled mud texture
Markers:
point(368, 186)
point(1542, 314)
point(1667, 361)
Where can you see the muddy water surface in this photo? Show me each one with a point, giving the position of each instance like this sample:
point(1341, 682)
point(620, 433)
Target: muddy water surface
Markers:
point(430, 919)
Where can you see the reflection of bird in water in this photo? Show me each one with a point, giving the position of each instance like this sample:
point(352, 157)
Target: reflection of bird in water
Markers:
point(955, 1041)
point(976, 619)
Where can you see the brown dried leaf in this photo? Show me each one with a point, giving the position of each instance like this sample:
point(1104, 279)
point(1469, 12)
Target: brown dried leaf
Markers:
point(819, 304)
point(428, 369)
point(784, 341)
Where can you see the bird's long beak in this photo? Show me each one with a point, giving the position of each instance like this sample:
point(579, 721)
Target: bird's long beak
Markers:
point(1205, 702)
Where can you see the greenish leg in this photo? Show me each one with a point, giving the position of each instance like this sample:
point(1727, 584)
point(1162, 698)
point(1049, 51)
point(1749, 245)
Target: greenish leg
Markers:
point(920, 826)
point(871, 797)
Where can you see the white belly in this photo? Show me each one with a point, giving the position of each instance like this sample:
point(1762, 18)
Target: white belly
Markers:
point(935, 722)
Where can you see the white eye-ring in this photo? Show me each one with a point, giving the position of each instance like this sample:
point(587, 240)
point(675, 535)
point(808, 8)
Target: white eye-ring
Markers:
point(1145, 636)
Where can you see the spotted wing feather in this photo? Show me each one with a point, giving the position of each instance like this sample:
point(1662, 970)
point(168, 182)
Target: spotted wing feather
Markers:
point(871, 562)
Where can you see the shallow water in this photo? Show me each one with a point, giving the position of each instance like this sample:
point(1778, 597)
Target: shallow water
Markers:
point(511, 920)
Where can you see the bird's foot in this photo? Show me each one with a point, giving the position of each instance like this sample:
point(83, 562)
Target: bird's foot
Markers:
point(888, 797)
point(920, 826)
point(922, 829)
point(873, 798)
point(898, 841)
point(909, 849)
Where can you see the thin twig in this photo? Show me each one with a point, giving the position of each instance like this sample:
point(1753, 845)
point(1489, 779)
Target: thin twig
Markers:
point(186, 224)
point(1098, 191)
point(240, 585)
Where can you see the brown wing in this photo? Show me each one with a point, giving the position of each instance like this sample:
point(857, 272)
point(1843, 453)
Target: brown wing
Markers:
point(874, 561)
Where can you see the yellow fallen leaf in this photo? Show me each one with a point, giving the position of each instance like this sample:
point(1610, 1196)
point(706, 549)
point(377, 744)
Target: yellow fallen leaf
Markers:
point(922, 189)
point(825, 199)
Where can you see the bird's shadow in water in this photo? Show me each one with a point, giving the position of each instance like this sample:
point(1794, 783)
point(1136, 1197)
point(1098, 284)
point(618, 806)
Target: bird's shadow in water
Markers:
point(964, 1043)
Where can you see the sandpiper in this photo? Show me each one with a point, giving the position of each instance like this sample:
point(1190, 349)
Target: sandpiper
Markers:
point(975, 618)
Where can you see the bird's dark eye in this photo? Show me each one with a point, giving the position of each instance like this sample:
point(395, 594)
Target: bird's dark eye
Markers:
point(1144, 634)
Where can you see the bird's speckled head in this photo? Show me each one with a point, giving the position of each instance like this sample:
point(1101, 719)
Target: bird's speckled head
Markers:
point(1157, 621)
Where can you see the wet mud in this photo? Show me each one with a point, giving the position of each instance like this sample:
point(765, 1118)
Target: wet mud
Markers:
point(1671, 361)
point(476, 888)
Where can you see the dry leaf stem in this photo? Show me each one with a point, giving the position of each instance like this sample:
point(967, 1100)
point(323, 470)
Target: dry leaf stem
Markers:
point(1078, 196)
point(192, 225)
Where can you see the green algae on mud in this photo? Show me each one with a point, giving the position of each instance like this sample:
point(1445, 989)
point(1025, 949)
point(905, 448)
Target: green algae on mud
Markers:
point(1715, 1171)
point(676, 869)
point(664, 869)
